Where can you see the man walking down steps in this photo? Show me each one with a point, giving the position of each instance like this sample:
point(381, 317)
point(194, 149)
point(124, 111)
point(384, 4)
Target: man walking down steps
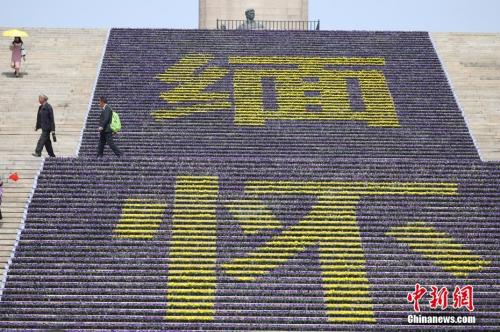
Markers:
point(45, 121)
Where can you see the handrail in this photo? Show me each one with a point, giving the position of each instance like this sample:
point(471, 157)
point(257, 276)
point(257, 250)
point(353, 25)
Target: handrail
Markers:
point(266, 25)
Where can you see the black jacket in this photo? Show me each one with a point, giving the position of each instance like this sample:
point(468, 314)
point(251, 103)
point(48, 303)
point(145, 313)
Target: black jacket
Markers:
point(105, 118)
point(45, 118)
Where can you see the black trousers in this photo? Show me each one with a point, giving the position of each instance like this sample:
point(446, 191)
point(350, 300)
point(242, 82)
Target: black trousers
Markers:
point(44, 140)
point(107, 138)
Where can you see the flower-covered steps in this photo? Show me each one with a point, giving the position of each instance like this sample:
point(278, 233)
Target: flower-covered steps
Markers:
point(271, 180)
point(270, 243)
point(321, 94)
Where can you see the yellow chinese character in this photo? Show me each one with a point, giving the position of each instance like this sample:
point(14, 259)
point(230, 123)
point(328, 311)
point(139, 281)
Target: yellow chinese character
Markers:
point(311, 75)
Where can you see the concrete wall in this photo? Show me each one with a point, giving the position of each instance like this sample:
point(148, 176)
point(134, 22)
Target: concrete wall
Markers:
point(277, 10)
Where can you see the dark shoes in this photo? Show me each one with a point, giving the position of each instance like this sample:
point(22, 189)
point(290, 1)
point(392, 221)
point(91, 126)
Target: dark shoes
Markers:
point(39, 155)
point(99, 156)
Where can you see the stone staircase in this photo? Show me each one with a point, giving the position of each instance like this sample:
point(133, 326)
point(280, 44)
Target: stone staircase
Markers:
point(245, 201)
point(61, 63)
point(473, 64)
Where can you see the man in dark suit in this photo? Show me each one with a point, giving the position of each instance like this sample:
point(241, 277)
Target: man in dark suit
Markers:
point(105, 132)
point(44, 121)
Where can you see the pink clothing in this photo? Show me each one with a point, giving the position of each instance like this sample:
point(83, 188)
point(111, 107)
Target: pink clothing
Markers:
point(16, 52)
point(16, 55)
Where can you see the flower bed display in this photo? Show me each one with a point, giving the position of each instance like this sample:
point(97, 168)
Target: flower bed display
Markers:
point(271, 181)
point(295, 94)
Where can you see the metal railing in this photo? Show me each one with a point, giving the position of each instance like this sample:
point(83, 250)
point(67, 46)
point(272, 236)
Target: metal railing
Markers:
point(266, 25)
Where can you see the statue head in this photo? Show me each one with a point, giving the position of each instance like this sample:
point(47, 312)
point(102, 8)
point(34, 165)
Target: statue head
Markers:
point(250, 14)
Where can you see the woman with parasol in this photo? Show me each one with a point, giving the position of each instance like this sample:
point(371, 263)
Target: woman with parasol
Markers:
point(17, 49)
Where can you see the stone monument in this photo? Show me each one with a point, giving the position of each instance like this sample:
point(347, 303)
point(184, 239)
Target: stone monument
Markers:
point(276, 10)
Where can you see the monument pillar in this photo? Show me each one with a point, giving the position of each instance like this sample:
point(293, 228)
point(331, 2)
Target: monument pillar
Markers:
point(276, 10)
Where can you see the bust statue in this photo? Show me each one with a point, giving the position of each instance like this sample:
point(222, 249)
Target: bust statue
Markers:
point(250, 23)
